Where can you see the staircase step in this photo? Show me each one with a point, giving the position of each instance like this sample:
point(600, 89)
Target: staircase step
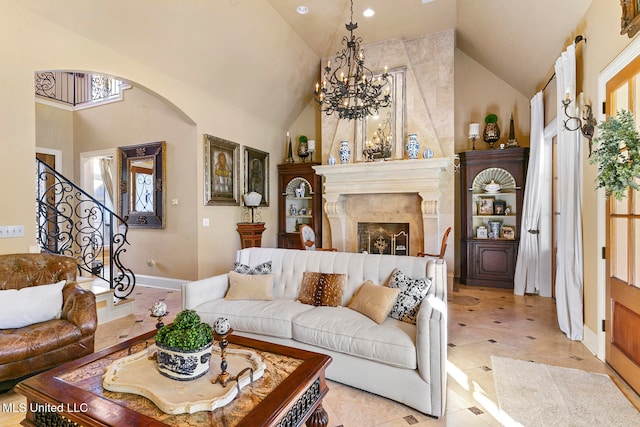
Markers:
point(109, 308)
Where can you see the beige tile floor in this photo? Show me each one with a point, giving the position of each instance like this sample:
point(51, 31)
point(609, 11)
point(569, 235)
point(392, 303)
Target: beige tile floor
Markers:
point(482, 322)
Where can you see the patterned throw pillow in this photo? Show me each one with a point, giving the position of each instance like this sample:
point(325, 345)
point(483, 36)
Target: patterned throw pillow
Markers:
point(412, 292)
point(322, 289)
point(264, 268)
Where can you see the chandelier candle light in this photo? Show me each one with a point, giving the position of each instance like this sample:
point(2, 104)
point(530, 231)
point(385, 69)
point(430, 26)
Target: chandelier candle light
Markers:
point(351, 90)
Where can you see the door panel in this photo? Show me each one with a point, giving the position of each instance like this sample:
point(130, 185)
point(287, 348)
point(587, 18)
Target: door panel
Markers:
point(47, 231)
point(623, 260)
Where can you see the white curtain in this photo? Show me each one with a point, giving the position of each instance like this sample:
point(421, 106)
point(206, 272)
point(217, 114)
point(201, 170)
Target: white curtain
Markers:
point(569, 283)
point(527, 276)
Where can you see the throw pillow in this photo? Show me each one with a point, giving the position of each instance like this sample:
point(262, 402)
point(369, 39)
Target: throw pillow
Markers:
point(264, 268)
point(322, 289)
point(412, 292)
point(374, 301)
point(250, 287)
point(26, 306)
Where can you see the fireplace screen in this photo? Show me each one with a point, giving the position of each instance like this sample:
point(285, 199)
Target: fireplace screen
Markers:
point(391, 238)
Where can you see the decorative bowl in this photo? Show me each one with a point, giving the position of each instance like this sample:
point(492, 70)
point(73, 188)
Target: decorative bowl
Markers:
point(183, 365)
point(492, 187)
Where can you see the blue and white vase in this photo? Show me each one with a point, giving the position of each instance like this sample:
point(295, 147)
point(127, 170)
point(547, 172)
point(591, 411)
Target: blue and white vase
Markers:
point(345, 152)
point(413, 146)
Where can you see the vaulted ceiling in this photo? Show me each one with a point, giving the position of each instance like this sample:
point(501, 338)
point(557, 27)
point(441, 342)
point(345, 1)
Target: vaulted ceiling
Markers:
point(243, 52)
point(517, 40)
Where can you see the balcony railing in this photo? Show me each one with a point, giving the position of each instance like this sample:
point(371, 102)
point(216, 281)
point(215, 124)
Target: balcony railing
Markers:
point(78, 89)
point(71, 222)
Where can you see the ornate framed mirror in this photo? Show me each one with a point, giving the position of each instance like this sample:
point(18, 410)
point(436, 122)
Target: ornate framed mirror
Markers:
point(381, 137)
point(142, 180)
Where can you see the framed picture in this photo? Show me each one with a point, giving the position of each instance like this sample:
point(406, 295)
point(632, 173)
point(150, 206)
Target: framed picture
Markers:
point(630, 20)
point(485, 206)
point(256, 173)
point(508, 233)
point(481, 232)
point(221, 171)
point(499, 207)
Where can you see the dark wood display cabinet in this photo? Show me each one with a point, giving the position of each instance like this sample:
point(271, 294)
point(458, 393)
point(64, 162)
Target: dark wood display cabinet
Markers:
point(492, 189)
point(299, 202)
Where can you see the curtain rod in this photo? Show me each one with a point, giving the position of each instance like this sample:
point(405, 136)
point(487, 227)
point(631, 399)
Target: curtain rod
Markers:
point(578, 39)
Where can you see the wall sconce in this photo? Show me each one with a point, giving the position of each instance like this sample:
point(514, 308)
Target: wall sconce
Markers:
point(586, 125)
point(474, 133)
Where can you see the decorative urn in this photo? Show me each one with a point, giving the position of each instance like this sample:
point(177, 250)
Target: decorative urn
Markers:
point(184, 347)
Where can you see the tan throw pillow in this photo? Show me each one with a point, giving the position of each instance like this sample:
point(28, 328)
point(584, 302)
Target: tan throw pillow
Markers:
point(322, 289)
point(250, 287)
point(374, 301)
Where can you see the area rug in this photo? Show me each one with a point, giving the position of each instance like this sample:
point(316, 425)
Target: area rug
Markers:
point(533, 394)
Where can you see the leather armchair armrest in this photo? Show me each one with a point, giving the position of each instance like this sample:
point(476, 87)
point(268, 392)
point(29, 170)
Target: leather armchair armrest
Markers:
point(79, 308)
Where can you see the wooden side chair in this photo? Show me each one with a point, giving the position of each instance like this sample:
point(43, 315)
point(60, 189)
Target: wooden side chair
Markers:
point(308, 239)
point(443, 246)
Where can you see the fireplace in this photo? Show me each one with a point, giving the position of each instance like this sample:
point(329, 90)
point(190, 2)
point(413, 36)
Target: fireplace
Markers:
point(389, 238)
point(345, 183)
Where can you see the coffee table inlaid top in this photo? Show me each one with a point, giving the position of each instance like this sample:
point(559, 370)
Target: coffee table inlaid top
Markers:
point(293, 378)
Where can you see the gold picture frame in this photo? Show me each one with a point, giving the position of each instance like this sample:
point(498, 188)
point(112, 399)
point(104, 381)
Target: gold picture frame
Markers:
point(630, 19)
point(221, 171)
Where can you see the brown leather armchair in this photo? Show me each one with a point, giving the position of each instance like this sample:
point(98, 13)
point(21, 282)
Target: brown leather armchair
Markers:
point(41, 346)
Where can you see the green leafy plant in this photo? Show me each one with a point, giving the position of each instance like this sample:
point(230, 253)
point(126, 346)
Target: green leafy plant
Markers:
point(186, 333)
point(617, 155)
point(303, 138)
point(491, 118)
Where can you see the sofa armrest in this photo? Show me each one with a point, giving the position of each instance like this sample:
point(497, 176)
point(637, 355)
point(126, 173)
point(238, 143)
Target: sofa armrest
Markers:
point(431, 335)
point(79, 308)
point(200, 291)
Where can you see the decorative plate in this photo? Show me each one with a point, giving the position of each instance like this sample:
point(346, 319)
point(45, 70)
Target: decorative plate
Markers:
point(498, 175)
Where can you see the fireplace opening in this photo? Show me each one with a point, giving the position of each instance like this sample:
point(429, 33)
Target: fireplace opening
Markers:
point(390, 238)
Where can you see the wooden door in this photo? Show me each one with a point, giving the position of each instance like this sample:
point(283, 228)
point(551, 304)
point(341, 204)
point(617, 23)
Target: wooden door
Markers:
point(623, 250)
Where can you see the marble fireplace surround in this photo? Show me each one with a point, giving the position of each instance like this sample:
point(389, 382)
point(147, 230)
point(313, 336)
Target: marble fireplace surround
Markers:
point(422, 176)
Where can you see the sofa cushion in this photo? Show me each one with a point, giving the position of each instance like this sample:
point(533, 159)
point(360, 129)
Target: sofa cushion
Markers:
point(250, 287)
point(26, 306)
point(412, 292)
point(33, 340)
point(347, 331)
point(322, 289)
point(261, 317)
point(374, 301)
point(264, 268)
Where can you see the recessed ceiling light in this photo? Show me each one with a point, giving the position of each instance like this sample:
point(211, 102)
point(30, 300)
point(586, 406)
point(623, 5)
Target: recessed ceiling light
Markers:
point(302, 10)
point(369, 12)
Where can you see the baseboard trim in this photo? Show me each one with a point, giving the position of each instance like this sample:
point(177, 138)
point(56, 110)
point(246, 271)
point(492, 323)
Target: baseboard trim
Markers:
point(160, 282)
point(591, 340)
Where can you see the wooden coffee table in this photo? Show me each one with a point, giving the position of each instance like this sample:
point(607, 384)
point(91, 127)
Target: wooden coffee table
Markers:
point(289, 394)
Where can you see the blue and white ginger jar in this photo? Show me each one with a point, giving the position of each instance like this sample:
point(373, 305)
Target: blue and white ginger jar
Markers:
point(344, 152)
point(413, 146)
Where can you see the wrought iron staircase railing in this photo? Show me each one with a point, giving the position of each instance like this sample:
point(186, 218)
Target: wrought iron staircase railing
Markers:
point(72, 222)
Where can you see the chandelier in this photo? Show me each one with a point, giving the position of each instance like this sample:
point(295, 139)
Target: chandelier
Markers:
point(351, 90)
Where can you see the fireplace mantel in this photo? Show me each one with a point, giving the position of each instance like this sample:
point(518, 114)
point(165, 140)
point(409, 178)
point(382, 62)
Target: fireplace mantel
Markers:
point(398, 176)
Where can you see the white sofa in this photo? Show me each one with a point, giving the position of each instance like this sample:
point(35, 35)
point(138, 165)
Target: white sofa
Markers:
point(395, 359)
